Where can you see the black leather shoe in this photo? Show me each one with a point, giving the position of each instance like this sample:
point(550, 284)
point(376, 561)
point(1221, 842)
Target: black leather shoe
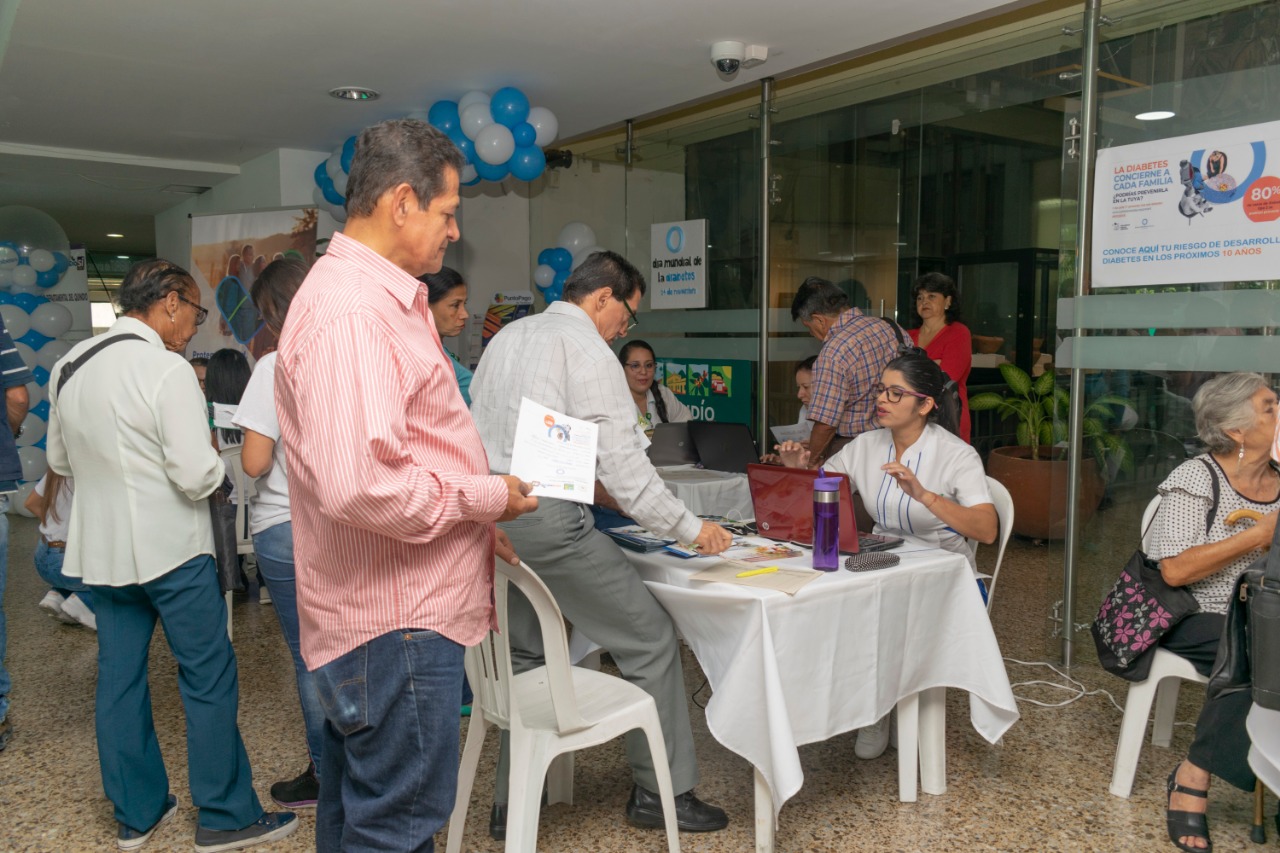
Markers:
point(644, 809)
point(498, 822)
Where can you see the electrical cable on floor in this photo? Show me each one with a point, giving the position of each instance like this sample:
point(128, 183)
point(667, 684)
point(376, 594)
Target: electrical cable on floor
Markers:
point(694, 696)
point(1076, 688)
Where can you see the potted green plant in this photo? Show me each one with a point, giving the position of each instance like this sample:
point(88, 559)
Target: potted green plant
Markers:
point(1035, 471)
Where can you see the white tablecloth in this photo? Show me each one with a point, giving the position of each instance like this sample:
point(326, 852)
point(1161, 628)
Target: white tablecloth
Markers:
point(837, 656)
point(710, 492)
point(1264, 752)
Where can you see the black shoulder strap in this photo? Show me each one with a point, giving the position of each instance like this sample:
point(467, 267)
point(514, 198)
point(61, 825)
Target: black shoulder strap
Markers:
point(904, 348)
point(69, 370)
point(1213, 510)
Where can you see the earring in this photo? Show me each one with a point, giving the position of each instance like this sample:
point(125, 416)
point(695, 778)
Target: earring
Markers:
point(1240, 458)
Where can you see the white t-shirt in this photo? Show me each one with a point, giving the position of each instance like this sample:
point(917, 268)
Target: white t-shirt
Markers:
point(943, 463)
point(56, 531)
point(257, 412)
point(677, 412)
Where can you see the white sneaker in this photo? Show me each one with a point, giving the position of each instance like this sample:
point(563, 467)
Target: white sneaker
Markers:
point(873, 739)
point(80, 613)
point(52, 602)
point(264, 595)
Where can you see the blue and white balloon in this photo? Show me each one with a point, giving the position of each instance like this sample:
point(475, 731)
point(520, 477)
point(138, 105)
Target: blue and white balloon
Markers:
point(475, 118)
point(494, 145)
point(545, 126)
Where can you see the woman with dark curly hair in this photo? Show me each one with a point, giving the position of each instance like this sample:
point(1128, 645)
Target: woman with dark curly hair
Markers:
point(942, 336)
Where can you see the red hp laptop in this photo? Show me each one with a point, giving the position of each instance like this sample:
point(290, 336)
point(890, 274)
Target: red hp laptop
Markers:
point(783, 503)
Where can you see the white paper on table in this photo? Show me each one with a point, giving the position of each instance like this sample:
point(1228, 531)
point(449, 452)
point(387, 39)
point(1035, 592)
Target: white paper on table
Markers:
point(554, 452)
point(792, 432)
point(222, 415)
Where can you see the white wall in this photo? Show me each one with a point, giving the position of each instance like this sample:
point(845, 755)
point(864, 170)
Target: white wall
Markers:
point(281, 178)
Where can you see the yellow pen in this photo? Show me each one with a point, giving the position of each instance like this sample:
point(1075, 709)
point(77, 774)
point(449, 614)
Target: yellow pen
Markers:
point(765, 571)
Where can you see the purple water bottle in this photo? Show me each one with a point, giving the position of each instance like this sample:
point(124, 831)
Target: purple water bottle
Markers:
point(826, 522)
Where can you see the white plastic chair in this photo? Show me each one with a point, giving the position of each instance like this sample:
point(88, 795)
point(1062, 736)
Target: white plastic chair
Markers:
point(1004, 511)
point(245, 489)
point(549, 711)
point(1168, 671)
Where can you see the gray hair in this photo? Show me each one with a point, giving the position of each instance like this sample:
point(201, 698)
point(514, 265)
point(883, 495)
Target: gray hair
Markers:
point(1225, 403)
point(147, 282)
point(400, 151)
point(601, 270)
point(818, 296)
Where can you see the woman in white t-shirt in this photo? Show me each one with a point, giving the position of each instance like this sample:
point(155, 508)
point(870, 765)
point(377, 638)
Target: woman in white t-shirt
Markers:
point(918, 479)
point(270, 520)
point(655, 404)
point(68, 600)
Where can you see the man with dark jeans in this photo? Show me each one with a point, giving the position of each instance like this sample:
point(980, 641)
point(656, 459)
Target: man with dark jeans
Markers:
point(392, 501)
point(14, 376)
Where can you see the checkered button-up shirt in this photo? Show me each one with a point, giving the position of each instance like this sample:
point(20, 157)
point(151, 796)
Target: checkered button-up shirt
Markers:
point(849, 365)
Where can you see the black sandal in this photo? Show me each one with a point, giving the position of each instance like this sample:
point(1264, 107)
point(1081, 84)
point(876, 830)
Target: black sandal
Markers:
point(1182, 824)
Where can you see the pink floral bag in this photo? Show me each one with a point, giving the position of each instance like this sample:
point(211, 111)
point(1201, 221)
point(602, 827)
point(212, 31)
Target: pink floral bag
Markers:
point(1140, 608)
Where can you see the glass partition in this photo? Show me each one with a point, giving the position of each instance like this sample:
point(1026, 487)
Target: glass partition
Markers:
point(957, 157)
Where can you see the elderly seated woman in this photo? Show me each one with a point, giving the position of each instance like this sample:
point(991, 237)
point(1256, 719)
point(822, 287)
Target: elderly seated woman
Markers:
point(916, 476)
point(1236, 419)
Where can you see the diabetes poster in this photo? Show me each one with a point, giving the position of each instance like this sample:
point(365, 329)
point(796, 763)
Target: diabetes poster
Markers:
point(1189, 209)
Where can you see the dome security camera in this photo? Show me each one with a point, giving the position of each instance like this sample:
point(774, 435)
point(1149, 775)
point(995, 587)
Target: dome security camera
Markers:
point(727, 56)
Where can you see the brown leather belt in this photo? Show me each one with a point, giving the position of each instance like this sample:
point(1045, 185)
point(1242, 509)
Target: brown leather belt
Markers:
point(54, 544)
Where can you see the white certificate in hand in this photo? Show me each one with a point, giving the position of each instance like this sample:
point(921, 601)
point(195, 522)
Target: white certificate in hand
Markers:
point(555, 453)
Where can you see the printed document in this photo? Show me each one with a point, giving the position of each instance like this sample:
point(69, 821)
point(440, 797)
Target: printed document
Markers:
point(555, 453)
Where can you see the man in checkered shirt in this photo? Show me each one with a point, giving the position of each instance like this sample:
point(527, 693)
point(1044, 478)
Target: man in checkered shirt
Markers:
point(855, 350)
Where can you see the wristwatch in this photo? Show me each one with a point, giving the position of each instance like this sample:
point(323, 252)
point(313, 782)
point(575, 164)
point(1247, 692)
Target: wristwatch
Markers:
point(20, 430)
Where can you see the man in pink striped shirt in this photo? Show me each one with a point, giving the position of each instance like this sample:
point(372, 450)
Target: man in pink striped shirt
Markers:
point(393, 503)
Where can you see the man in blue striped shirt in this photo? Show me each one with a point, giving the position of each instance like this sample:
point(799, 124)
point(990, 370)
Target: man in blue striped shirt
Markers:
point(14, 376)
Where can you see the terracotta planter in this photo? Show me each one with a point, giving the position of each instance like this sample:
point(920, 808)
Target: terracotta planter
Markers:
point(1039, 490)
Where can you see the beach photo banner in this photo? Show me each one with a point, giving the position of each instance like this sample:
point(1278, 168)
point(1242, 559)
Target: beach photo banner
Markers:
point(1189, 209)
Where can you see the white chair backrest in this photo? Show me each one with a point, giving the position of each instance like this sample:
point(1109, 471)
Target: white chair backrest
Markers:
point(245, 489)
point(489, 663)
point(1148, 516)
point(1004, 512)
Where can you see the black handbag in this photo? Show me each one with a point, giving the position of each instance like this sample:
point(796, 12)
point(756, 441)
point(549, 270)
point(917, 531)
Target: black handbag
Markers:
point(1140, 609)
point(1249, 651)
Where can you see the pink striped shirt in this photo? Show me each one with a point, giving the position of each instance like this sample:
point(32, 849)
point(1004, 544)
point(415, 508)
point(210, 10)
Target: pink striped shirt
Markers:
point(389, 484)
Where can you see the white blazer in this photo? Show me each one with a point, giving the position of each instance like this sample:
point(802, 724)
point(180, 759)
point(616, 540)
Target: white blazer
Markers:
point(132, 429)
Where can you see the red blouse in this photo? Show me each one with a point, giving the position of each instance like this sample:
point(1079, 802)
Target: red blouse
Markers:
point(952, 348)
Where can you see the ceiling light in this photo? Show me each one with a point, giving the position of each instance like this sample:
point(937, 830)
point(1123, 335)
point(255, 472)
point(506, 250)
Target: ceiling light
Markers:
point(354, 93)
point(1155, 115)
point(123, 257)
point(115, 235)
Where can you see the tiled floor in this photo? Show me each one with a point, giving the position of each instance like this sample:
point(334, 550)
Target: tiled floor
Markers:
point(1044, 788)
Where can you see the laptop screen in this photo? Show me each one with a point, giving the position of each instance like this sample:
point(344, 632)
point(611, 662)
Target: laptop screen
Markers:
point(724, 447)
point(783, 503)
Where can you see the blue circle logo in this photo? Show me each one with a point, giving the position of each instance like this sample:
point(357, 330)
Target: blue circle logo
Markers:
point(675, 239)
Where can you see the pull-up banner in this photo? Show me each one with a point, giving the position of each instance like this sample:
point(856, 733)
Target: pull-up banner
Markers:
point(227, 253)
point(1189, 209)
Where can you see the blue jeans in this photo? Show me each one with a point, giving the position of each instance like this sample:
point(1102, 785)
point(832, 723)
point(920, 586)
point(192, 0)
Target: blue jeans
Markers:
point(5, 683)
point(274, 549)
point(188, 603)
point(49, 566)
point(390, 756)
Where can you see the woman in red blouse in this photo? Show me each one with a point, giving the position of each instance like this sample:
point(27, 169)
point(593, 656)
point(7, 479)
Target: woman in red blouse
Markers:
point(943, 337)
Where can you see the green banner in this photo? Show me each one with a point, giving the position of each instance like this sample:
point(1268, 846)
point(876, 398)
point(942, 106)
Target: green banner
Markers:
point(713, 390)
